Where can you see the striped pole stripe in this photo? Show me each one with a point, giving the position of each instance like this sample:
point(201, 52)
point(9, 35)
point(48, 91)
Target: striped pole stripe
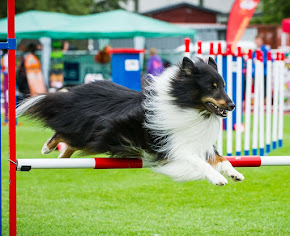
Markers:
point(128, 163)
point(187, 45)
point(199, 49)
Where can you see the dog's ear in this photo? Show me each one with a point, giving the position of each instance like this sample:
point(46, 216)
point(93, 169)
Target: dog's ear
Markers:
point(212, 63)
point(188, 66)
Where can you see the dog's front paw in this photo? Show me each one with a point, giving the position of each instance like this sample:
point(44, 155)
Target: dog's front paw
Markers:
point(230, 171)
point(236, 176)
point(216, 178)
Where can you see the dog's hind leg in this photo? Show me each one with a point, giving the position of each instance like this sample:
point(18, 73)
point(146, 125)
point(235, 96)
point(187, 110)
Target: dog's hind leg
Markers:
point(67, 152)
point(222, 165)
point(51, 144)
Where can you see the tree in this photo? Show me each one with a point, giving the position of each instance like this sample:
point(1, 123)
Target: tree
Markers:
point(74, 7)
point(103, 5)
point(272, 11)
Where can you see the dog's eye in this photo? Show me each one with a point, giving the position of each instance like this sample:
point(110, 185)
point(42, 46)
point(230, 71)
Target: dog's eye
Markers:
point(213, 86)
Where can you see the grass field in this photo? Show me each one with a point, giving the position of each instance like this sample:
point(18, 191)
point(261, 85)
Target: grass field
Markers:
point(140, 202)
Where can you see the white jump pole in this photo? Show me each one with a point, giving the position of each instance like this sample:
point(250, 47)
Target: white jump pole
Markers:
point(260, 66)
point(220, 70)
point(126, 163)
point(256, 104)
point(268, 102)
point(230, 94)
point(275, 101)
point(248, 104)
point(281, 100)
point(239, 103)
point(187, 50)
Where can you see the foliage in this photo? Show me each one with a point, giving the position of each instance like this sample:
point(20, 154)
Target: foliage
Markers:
point(272, 11)
point(101, 5)
point(74, 7)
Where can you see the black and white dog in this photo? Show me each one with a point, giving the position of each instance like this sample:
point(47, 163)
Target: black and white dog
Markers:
point(173, 123)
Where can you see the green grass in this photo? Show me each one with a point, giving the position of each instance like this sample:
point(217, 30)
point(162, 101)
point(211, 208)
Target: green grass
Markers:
point(140, 202)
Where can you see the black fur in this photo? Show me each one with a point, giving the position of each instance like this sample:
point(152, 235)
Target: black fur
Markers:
point(98, 117)
point(103, 117)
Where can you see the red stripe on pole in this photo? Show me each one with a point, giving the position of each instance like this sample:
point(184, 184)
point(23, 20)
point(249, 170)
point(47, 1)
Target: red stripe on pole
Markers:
point(211, 51)
point(199, 45)
point(249, 161)
point(259, 55)
point(282, 58)
point(269, 56)
point(278, 56)
point(12, 119)
point(187, 43)
point(250, 54)
point(240, 52)
point(219, 52)
point(116, 163)
point(229, 49)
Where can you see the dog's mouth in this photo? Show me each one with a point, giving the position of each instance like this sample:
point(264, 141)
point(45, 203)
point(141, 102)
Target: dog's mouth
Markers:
point(216, 110)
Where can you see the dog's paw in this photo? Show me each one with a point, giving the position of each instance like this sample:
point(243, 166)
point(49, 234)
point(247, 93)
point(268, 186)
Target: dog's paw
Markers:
point(216, 178)
point(230, 171)
point(45, 149)
point(237, 177)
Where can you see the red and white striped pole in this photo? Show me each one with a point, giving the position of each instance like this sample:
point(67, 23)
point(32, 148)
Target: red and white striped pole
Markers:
point(128, 163)
point(12, 117)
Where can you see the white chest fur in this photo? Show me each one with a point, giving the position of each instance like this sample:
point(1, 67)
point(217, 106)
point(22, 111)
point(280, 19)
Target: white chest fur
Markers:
point(186, 133)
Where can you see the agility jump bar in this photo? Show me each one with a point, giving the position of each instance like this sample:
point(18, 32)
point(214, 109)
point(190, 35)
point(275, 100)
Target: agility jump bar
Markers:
point(127, 163)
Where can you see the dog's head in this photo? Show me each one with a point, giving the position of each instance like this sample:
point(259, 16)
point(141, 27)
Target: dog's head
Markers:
point(198, 85)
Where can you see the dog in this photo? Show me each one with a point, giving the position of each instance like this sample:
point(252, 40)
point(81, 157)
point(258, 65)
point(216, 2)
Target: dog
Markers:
point(173, 123)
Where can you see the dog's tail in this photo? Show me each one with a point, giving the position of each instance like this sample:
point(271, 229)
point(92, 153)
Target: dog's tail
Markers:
point(28, 104)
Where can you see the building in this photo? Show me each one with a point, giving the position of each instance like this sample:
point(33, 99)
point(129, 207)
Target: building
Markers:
point(209, 24)
point(223, 6)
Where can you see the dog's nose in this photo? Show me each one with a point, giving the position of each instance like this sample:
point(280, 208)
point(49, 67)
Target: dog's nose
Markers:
point(231, 106)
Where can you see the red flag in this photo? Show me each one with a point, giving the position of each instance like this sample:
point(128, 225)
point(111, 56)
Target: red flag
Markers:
point(240, 16)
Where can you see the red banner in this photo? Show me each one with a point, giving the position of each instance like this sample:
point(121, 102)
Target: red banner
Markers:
point(240, 16)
